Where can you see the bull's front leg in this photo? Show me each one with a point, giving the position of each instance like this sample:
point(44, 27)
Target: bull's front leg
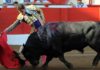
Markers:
point(66, 63)
point(45, 65)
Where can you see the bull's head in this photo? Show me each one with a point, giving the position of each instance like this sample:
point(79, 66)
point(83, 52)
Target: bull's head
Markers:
point(32, 49)
point(31, 55)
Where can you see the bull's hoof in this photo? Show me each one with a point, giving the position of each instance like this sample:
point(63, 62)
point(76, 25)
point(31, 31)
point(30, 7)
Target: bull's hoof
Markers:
point(70, 66)
point(45, 67)
point(93, 67)
point(23, 68)
point(34, 67)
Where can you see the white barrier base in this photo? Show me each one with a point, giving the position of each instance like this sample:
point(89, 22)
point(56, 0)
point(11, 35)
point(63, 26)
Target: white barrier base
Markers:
point(18, 39)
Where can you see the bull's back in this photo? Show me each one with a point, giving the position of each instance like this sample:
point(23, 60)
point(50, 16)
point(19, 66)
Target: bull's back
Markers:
point(75, 34)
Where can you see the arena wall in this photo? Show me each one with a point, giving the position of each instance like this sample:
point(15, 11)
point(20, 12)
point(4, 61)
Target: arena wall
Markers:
point(8, 16)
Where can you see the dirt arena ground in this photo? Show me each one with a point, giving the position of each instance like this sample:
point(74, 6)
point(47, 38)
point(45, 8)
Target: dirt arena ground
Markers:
point(79, 61)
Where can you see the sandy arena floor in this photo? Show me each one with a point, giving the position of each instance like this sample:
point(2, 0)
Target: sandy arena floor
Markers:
point(79, 61)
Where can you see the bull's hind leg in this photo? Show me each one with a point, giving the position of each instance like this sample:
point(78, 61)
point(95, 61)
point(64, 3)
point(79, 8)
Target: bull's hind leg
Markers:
point(97, 57)
point(96, 60)
point(62, 59)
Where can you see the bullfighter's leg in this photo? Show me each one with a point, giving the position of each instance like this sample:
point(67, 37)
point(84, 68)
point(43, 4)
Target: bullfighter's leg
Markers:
point(62, 59)
point(45, 65)
point(21, 61)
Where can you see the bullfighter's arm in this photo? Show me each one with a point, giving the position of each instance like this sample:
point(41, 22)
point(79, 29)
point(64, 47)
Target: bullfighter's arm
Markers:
point(11, 27)
point(15, 24)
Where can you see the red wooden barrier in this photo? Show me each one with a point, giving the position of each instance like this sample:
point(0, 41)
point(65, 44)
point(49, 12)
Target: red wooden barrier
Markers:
point(8, 16)
point(82, 14)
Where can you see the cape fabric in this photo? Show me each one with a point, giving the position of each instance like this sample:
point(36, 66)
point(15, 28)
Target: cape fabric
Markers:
point(7, 57)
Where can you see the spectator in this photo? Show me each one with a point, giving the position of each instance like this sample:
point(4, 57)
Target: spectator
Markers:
point(4, 5)
point(42, 2)
point(80, 4)
point(15, 4)
point(46, 2)
point(71, 4)
point(38, 2)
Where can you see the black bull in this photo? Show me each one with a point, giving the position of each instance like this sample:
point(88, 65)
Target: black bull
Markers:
point(54, 39)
